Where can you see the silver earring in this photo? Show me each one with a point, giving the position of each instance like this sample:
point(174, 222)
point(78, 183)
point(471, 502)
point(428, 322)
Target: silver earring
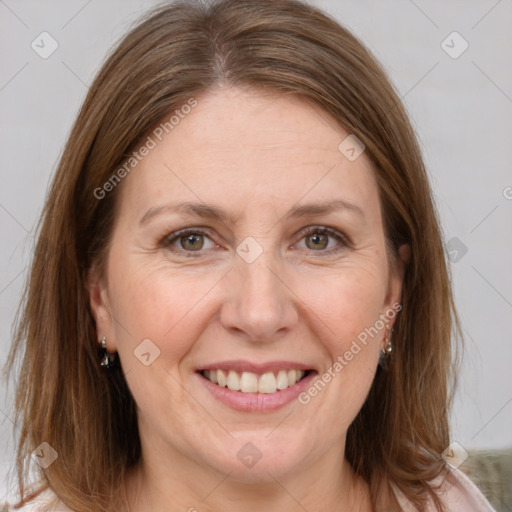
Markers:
point(388, 343)
point(107, 358)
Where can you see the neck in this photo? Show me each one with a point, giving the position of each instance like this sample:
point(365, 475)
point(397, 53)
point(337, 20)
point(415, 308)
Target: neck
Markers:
point(185, 485)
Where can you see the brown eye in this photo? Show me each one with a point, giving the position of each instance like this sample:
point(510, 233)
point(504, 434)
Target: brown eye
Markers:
point(324, 240)
point(192, 242)
point(317, 241)
point(188, 241)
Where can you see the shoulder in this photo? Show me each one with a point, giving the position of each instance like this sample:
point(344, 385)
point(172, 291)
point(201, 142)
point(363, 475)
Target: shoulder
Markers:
point(459, 493)
point(456, 492)
point(46, 501)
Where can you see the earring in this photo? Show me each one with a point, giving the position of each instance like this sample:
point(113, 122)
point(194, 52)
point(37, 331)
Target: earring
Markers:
point(107, 358)
point(388, 345)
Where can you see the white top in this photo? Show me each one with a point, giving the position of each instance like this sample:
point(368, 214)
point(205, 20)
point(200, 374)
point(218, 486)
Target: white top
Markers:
point(463, 496)
point(41, 503)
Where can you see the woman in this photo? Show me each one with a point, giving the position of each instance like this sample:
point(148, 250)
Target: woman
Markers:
point(239, 297)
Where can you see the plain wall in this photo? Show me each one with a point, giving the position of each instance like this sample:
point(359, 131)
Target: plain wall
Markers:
point(461, 108)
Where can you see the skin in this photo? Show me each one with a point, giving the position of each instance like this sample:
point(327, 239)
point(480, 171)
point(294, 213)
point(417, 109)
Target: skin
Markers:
point(254, 155)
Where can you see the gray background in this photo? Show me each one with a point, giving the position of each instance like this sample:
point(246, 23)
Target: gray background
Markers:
point(461, 108)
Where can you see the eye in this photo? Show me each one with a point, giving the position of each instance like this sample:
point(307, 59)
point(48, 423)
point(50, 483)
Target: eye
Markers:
point(320, 238)
point(188, 240)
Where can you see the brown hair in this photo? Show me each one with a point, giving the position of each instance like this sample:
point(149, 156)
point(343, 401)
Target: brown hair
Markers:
point(179, 50)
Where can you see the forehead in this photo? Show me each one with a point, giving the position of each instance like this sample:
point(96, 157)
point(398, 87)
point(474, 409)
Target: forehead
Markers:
point(245, 147)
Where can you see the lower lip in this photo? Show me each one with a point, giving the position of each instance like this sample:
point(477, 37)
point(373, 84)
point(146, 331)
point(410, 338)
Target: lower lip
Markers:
point(257, 402)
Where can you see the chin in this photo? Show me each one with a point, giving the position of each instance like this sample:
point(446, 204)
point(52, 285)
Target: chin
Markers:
point(252, 459)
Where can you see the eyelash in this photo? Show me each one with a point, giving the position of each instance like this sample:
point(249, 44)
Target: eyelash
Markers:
point(310, 230)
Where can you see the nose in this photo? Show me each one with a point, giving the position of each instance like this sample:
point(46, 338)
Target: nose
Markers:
point(259, 305)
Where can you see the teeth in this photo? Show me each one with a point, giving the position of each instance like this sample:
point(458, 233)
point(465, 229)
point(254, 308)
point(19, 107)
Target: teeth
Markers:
point(233, 381)
point(249, 382)
point(221, 378)
point(267, 383)
point(282, 380)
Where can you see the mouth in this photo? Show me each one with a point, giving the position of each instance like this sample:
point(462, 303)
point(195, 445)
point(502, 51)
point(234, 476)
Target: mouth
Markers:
point(251, 382)
point(250, 387)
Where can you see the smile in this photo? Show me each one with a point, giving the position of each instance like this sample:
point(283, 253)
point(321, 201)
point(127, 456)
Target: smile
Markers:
point(249, 382)
point(247, 386)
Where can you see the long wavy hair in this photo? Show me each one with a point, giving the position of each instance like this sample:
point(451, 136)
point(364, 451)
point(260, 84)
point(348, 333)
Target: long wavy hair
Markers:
point(177, 51)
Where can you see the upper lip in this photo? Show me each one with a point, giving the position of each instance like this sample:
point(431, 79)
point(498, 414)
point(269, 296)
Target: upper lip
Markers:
point(259, 368)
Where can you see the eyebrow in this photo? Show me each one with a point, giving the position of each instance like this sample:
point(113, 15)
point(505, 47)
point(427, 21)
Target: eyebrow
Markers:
point(207, 211)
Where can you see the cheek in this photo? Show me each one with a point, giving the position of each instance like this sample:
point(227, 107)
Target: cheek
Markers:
point(155, 303)
point(167, 308)
point(348, 305)
point(348, 302)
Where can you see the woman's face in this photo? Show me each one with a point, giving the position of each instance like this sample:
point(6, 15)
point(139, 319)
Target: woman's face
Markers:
point(284, 271)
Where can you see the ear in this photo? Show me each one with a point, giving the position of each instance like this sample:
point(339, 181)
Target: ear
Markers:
point(100, 308)
point(396, 278)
